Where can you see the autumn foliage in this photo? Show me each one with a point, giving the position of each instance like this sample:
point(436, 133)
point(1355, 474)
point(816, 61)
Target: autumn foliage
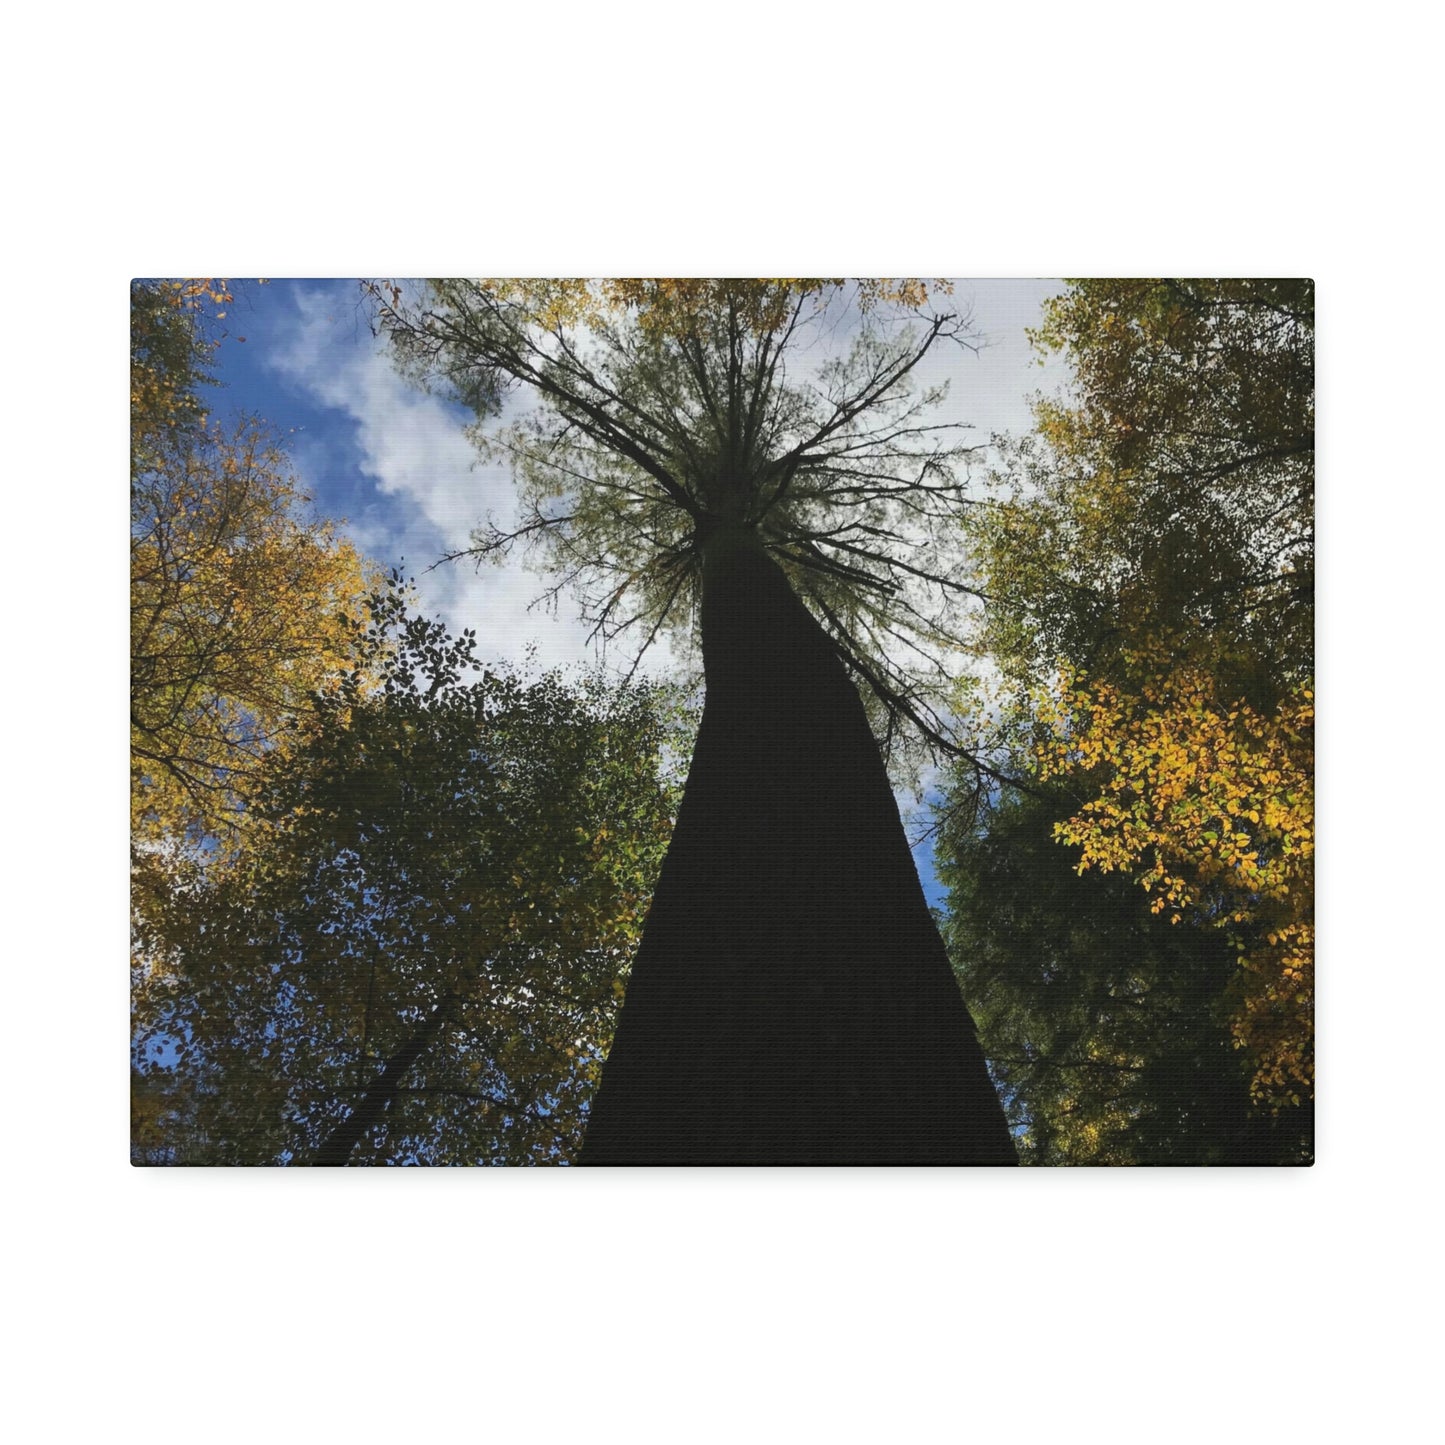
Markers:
point(1209, 805)
point(419, 953)
point(1149, 558)
point(381, 913)
point(387, 900)
point(242, 604)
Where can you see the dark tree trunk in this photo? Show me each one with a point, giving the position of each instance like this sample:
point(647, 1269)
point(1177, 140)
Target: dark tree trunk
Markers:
point(344, 1138)
point(791, 1001)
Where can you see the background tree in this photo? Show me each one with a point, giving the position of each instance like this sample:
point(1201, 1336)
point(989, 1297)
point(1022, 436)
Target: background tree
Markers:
point(693, 465)
point(241, 603)
point(1149, 563)
point(1103, 1022)
point(171, 350)
point(418, 953)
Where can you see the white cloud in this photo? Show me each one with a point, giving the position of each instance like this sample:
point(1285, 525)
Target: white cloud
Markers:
point(413, 449)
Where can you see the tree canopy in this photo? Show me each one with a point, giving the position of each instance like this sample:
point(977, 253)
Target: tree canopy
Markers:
point(242, 603)
point(670, 409)
point(1149, 562)
point(1169, 495)
point(418, 954)
point(1104, 1024)
point(386, 910)
point(381, 913)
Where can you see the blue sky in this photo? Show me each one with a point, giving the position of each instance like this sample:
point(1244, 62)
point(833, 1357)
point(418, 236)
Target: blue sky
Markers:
point(394, 464)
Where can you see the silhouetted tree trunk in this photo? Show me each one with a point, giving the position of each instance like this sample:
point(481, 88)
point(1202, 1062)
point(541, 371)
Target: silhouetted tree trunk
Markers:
point(344, 1138)
point(791, 1001)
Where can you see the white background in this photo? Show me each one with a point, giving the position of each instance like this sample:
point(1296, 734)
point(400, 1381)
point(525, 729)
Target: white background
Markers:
point(1037, 1305)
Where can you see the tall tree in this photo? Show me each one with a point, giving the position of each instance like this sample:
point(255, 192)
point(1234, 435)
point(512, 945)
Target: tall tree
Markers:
point(692, 465)
point(418, 951)
point(1149, 563)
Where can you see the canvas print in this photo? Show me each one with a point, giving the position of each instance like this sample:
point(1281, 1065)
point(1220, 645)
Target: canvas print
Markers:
point(722, 722)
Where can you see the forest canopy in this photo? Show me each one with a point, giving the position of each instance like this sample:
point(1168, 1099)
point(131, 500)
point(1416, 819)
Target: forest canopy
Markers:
point(418, 954)
point(395, 901)
point(1149, 560)
point(383, 898)
point(667, 409)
